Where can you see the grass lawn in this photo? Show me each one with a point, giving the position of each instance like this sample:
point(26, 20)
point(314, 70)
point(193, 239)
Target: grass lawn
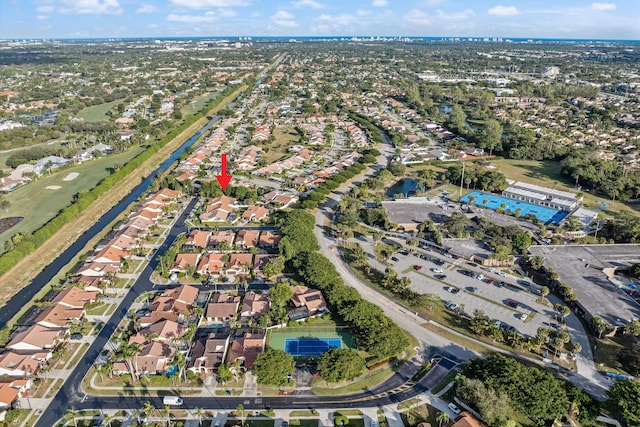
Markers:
point(57, 384)
point(100, 309)
point(446, 380)
point(38, 205)
point(97, 113)
point(283, 138)
point(363, 384)
point(259, 423)
point(303, 423)
point(421, 413)
point(607, 351)
point(42, 386)
point(79, 355)
point(199, 102)
point(356, 422)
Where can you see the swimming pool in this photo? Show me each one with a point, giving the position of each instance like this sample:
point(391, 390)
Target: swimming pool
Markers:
point(491, 201)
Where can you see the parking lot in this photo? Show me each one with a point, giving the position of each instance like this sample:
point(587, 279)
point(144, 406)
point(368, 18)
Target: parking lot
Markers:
point(454, 282)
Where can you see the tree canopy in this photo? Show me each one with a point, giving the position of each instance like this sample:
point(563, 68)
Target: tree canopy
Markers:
point(273, 367)
point(340, 364)
point(624, 399)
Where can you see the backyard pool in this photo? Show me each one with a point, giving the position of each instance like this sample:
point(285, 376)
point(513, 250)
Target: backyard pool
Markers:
point(491, 201)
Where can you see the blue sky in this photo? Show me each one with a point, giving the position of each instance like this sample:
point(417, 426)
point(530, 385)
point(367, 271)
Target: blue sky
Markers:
point(604, 19)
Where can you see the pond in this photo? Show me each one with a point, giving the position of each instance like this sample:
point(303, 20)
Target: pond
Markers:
point(406, 186)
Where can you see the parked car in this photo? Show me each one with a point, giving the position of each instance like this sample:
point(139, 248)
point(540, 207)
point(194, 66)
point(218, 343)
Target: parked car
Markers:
point(490, 282)
point(417, 267)
point(454, 408)
point(501, 274)
point(512, 303)
point(395, 259)
point(480, 276)
point(500, 284)
point(437, 270)
point(523, 316)
point(76, 336)
point(472, 289)
point(440, 276)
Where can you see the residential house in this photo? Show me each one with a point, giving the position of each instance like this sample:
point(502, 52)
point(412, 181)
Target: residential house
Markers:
point(198, 239)
point(221, 236)
point(254, 305)
point(239, 264)
point(246, 349)
point(219, 209)
point(247, 238)
point(211, 264)
point(154, 358)
point(36, 338)
point(467, 419)
point(11, 389)
point(18, 365)
point(310, 298)
point(110, 255)
point(222, 308)
point(98, 269)
point(163, 330)
point(75, 297)
point(259, 261)
point(255, 213)
point(184, 261)
point(59, 316)
point(174, 304)
point(269, 239)
point(208, 353)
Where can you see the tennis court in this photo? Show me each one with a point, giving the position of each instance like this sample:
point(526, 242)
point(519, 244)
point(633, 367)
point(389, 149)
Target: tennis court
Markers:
point(303, 342)
point(310, 346)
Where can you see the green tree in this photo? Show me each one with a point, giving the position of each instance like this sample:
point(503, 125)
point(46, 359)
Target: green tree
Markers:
point(273, 367)
point(442, 417)
point(633, 328)
point(280, 294)
point(493, 136)
point(624, 396)
point(73, 414)
point(340, 364)
point(240, 413)
point(224, 373)
point(198, 413)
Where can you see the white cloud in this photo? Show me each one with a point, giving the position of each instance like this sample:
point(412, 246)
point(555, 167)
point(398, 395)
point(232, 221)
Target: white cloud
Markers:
point(45, 9)
point(342, 20)
point(603, 6)
point(503, 11)
point(362, 12)
point(96, 7)
point(42, 17)
point(307, 3)
point(227, 13)
point(208, 4)
point(147, 8)
point(455, 16)
point(380, 3)
point(207, 17)
point(283, 18)
point(418, 17)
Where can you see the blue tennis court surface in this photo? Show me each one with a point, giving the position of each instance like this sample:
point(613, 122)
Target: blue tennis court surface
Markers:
point(310, 346)
point(544, 214)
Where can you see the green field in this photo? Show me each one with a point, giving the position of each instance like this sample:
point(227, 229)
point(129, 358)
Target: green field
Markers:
point(97, 113)
point(199, 102)
point(277, 337)
point(283, 138)
point(37, 204)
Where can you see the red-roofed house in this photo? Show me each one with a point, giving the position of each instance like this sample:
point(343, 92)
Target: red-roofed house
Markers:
point(183, 261)
point(310, 298)
point(211, 264)
point(254, 305)
point(245, 350)
point(247, 238)
point(239, 264)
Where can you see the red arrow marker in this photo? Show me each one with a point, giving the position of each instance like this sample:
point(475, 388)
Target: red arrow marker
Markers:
point(223, 178)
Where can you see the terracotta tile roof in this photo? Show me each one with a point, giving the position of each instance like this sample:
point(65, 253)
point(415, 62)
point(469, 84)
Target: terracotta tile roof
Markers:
point(247, 349)
point(248, 238)
point(211, 263)
point(255, 304)
point(466, 419)
point(222, 307)
point(311, 298)
point(58, 315)
point(75, 297)
point(36, 337)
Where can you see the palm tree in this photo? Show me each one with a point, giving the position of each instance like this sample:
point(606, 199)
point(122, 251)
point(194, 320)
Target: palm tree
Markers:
point(564, 312)
point(240, 414)
point(106, 419)
point(73, 414)
point(147, 409)
point(442, 417)
point(129, 352)
point(180, 361)
point(199, 414)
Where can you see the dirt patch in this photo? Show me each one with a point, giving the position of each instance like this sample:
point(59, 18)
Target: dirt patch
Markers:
point(7, 223)
point(52, 187)
point(71, 176)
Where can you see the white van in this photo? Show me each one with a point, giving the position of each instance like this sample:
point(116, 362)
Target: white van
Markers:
point(171, 400)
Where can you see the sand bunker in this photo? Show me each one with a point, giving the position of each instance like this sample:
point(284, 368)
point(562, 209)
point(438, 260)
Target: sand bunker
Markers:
point(71, 176)
point(53, 187)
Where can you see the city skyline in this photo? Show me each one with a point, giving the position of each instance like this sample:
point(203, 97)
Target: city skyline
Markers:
point(429, 18)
